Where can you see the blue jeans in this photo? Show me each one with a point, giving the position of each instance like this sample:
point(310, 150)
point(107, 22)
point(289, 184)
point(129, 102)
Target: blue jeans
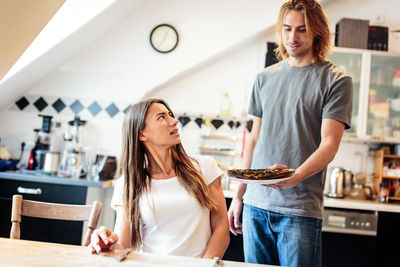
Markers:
point(280, 239)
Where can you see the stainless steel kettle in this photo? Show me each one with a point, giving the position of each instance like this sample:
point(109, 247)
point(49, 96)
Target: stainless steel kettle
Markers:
point(340, 182)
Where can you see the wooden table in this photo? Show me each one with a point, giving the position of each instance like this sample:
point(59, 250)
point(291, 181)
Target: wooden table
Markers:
point(32, 253)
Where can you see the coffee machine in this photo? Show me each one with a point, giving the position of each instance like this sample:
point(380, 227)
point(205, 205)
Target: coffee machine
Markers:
point(44, 155)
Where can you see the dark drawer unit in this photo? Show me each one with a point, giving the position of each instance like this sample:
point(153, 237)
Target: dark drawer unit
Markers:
point(57, 231)
point(388, 239)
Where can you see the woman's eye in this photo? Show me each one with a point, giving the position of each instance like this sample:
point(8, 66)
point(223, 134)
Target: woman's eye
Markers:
point(161, 117)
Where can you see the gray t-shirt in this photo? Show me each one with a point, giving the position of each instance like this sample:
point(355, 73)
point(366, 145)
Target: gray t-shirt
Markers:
point(292, 102)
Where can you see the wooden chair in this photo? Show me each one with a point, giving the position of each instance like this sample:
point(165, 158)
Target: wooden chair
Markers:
point(22, 207)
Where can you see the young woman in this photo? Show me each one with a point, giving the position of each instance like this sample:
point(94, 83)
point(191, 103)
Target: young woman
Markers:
point(166, 202)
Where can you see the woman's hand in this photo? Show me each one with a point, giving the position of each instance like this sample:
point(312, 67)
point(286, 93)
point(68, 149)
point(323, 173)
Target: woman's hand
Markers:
point(102, 239)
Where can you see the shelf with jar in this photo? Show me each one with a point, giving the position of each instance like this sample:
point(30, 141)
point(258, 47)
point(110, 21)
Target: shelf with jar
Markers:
point(221, 136)
point(225, 145)
point(387, 171)
point(376, 92)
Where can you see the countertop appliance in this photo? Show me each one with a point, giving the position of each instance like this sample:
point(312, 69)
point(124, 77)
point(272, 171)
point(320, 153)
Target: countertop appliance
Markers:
point(42, 156)
point(350, 222)
point(339, 181)
point(349, 237)
point(103, 168)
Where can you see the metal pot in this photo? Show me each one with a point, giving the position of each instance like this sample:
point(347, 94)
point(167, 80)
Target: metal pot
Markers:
point(47, 161)
point(340, 182)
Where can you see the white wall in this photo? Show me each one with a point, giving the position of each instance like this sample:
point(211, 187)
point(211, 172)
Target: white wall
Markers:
point(121, 66)
point(221, 50)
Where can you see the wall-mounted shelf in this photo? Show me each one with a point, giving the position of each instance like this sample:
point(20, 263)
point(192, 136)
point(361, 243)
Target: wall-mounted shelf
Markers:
point(380, 159)
point(209, 150)
point(370, 140)
point(220, 137)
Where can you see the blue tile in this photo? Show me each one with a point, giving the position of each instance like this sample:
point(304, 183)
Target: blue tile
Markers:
point(127, 108)
point(76, 107)
point(94, 108)
point(112, 110)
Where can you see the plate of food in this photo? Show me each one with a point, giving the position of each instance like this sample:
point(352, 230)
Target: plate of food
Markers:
point(260, 176)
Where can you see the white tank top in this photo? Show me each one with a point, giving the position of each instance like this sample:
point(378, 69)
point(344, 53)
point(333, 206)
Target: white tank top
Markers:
point(172, 221)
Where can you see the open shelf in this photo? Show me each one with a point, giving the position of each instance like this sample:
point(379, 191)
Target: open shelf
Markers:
point(209, 150)
point(220, 137)
point(390, 177)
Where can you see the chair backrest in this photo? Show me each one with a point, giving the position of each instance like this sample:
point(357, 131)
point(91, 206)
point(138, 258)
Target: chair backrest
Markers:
point(22, 207)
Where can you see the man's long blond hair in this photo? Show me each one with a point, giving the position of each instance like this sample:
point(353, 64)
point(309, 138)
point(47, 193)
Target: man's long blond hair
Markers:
point(135, 168)
point(317, 26)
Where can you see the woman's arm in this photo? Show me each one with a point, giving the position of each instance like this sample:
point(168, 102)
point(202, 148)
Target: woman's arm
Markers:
point(219, 239)
point(121, 228)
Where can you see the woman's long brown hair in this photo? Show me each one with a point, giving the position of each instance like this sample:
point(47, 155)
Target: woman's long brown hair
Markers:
point(317, 25)
point(134, 165)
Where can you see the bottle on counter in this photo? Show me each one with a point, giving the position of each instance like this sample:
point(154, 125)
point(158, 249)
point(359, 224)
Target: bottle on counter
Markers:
point(383, 193)
point(225, 106)
point(33, 159)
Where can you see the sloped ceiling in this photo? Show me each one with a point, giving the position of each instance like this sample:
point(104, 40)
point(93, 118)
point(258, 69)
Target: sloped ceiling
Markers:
point(14, 86)
point(20, 22)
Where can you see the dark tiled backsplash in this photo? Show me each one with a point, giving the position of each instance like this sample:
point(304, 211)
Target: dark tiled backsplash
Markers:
point(39, 103)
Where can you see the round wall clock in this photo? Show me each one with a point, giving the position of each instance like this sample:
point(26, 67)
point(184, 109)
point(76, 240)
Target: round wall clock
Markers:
point(164, 38)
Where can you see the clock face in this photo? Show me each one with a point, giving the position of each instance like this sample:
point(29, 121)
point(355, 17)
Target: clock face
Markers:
point(164, 38)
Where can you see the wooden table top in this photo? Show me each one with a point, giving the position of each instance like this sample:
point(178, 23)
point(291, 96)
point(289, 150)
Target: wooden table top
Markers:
point(32, 253)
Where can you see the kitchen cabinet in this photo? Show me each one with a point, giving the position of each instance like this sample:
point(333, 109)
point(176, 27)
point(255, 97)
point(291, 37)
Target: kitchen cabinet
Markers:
point(351, 62)
point(345, 250)
point(67, 232)
point(385, 171)
point(388, 235)
point(376, 95)
point(53, 190)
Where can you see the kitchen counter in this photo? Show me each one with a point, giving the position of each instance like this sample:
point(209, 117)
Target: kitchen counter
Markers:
point(361, 205)
point(48, 179)
point(345, 203)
